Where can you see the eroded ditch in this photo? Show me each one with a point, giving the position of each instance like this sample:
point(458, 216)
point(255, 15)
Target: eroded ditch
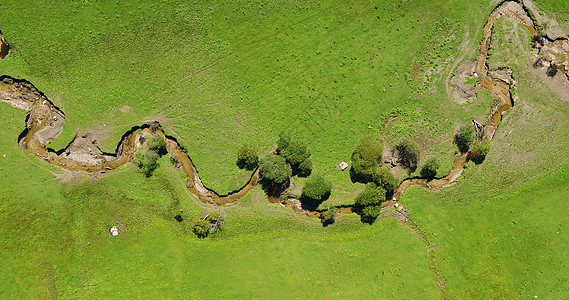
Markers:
point(45, 121)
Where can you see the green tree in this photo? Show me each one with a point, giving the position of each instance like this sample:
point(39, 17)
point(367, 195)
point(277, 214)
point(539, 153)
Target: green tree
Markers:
point(430, 168)
point(480, 150)
point(157, 144)
point(365, 159)
point(293, 149)
point(368, 202)
point(147, 161)
point(465, 137)
point(328, 216)
point(409, 154)
point(305, 168)
point(147, 157)
point(247, 157)
point(275, 168)
point(385, 179)
point(316, 190)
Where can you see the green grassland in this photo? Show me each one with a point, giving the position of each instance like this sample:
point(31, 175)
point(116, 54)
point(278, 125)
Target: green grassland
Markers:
point(219, 75)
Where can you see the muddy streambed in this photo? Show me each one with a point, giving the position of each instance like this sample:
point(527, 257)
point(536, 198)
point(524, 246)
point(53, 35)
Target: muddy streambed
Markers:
point(45, 121)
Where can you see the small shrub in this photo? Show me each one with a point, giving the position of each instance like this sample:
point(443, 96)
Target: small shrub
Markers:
point(157, 144)
point(247, 157)
point(430, 168)
point(275, 168)
point(147, 161)
point(464, 138)
point(368, 202)
point(409, 154)
point(370, 213)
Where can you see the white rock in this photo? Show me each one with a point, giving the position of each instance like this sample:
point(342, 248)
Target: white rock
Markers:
point(4, 155)
point(114, 231)
point(343, 165)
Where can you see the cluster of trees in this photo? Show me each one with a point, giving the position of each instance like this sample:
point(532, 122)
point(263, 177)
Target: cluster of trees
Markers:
point(147, 158)
point(291, 158)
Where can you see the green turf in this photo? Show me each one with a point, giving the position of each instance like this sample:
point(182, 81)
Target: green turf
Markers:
point(219, 75)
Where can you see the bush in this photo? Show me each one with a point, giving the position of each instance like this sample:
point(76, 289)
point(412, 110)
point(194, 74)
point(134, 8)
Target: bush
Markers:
point(408, 153)
point(385, 179)
point(247, 157)
point(328, 216)
point(480, 150)
point(365, 158)
point(200, 227)
point(430, 168)
point(305, 168)
point(465, 137)
point(294, 150)
point(316, 190)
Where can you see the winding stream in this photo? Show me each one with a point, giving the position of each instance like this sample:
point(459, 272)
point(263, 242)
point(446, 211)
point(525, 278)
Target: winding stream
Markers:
point(45, 121)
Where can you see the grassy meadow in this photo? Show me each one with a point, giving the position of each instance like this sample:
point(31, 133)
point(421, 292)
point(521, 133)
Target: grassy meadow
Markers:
point(218, 75)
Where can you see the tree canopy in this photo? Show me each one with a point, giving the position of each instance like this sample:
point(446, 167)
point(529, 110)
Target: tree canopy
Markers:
point(247, 157)
point(315, 191)
point(365, 158)
point(293, 149)
point(368, 202)
point(430, 168)
point(275, 169)
point(465, 137)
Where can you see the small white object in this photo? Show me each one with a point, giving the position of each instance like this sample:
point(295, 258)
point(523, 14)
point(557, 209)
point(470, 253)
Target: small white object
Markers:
point(396, 204)
point(4, 155)
point(343, 165)
point(114, 231)
point(475, 74)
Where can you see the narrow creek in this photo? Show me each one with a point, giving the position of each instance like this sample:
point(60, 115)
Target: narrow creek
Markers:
point(45, 121)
